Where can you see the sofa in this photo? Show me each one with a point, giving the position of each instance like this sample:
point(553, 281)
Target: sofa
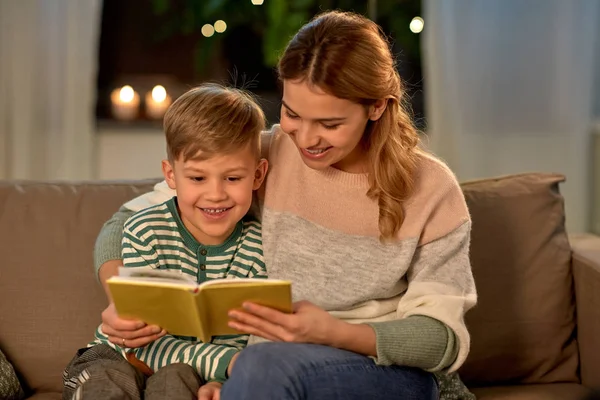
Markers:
point(535, 331)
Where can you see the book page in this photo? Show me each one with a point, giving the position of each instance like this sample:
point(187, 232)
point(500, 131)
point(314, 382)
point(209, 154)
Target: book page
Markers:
point(157, 275)
point(172, 307)
point(216, 301)
point(239, 282)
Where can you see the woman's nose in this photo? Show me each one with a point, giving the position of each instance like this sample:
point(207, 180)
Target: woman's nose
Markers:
point(304, 136)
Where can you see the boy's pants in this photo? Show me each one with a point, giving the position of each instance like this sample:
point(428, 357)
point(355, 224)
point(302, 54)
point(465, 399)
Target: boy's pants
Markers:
point(100, 372)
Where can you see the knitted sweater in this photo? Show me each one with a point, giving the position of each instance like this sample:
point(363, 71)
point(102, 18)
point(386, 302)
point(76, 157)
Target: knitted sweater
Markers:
point(320, 230)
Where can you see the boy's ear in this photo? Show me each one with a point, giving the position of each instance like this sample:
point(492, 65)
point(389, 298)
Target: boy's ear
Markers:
point(169, 174)
point(260, 173)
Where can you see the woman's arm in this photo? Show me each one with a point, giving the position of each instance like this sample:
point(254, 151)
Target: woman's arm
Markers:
point(107, 260)
point(107, 251)
point(430, 333)
point(440, 291)
point(105, 271)
point(416, 341)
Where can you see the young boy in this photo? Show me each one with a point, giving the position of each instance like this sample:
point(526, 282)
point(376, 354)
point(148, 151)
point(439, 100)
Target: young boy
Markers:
point(214, 165)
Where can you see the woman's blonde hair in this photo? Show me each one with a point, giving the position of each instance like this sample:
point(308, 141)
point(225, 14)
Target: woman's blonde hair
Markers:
point(347, 56)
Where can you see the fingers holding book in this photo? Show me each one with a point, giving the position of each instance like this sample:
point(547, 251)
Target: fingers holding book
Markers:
point(128, 333)
point(308, 323)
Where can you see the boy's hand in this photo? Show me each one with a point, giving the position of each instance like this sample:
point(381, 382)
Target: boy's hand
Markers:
point(210, 391)
point(128, 333)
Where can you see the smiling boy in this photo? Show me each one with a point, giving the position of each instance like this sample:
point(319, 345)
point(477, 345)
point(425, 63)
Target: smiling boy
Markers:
point(214, 165)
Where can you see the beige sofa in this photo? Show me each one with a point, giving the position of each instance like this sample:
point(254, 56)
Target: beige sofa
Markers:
point(535, 331)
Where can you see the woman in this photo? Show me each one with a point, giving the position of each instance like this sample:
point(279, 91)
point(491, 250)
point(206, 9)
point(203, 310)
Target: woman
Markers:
point(372, 231)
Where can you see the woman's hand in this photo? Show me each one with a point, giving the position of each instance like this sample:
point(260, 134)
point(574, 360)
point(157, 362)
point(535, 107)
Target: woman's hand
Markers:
point(210, 391)
point(308, 323)
point(128, 333)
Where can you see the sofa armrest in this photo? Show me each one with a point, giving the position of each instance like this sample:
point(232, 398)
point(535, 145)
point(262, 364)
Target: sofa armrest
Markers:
point(586, 272)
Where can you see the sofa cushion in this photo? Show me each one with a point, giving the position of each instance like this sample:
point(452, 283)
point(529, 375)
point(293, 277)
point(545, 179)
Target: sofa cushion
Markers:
point(553, 391)
point(50, 301)
point(523, 326)
point(46, 396)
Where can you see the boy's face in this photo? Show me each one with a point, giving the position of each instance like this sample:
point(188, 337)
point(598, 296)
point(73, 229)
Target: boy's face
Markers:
point(216, 193)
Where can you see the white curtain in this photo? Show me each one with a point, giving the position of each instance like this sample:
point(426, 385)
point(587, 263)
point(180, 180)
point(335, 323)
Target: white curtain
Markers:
point(48, 66)
point(508, 88)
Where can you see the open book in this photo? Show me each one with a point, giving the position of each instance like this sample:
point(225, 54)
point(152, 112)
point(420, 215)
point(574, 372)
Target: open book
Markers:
point(182, 307)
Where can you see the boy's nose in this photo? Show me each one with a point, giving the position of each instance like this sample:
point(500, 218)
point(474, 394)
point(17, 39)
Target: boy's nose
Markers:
point(216, 191)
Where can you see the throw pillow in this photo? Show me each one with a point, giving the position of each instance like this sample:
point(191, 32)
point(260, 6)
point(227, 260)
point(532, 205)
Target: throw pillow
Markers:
point(10, 388)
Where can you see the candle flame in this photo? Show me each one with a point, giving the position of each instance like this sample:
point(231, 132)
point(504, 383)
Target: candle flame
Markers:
point(159, 94)
point(126, 94)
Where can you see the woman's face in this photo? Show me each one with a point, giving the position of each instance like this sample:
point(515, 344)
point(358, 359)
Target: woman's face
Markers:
point(326, 129)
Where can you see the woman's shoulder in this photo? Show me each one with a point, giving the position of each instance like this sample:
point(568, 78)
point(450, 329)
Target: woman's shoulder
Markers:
point(437, 204)
point(272, 135)
point(432, 176)
point(273, 141)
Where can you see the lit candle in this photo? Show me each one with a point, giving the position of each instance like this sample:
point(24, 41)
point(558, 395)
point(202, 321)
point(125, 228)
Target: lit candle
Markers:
point(125, 103)
point(157, 102)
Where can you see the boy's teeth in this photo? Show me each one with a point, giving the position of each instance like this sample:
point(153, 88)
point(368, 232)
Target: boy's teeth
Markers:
point(317, 151)
point(215, 210)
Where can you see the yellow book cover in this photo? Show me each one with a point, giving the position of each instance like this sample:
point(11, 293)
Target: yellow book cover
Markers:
point(183, 307)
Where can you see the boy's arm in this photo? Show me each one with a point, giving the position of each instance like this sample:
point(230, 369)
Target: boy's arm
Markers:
point(210, 360)
point(136, 253)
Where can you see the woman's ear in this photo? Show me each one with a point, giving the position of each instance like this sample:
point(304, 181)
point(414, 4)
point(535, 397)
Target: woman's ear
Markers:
point(169, 174)
point(260, 174)
point(377, 109)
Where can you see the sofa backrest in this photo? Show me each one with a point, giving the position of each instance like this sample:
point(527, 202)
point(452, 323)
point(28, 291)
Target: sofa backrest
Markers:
point(523, 327)
point(50, 302)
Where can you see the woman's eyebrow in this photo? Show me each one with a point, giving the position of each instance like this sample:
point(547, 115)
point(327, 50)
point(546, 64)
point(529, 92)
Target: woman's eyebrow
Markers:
point(332, 119)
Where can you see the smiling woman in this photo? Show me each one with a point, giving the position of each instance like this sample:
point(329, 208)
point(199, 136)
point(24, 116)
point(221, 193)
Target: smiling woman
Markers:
point(326, 129)
point(372, 231)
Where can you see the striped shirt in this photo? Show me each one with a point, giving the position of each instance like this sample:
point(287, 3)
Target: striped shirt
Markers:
point(157, 238)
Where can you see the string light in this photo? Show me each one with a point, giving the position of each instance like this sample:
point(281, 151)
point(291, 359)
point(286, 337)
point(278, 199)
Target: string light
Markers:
point(220, 26)
point(258, 2)
point(208, 30)
point(416, 25)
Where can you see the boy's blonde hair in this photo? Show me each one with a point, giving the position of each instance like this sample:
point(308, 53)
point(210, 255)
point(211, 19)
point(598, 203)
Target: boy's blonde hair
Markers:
point(212, 119)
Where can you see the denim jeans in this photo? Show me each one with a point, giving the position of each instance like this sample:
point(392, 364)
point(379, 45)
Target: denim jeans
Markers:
point(282, 371)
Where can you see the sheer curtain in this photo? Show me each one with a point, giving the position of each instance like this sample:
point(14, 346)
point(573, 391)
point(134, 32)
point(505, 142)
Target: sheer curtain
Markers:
point(509, 89)
point(48, 63)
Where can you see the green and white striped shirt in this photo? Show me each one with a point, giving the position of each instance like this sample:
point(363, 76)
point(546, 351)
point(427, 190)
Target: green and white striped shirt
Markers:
point(156, 238)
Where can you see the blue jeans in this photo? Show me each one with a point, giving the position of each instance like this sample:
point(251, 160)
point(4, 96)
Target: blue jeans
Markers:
point(282, 371)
